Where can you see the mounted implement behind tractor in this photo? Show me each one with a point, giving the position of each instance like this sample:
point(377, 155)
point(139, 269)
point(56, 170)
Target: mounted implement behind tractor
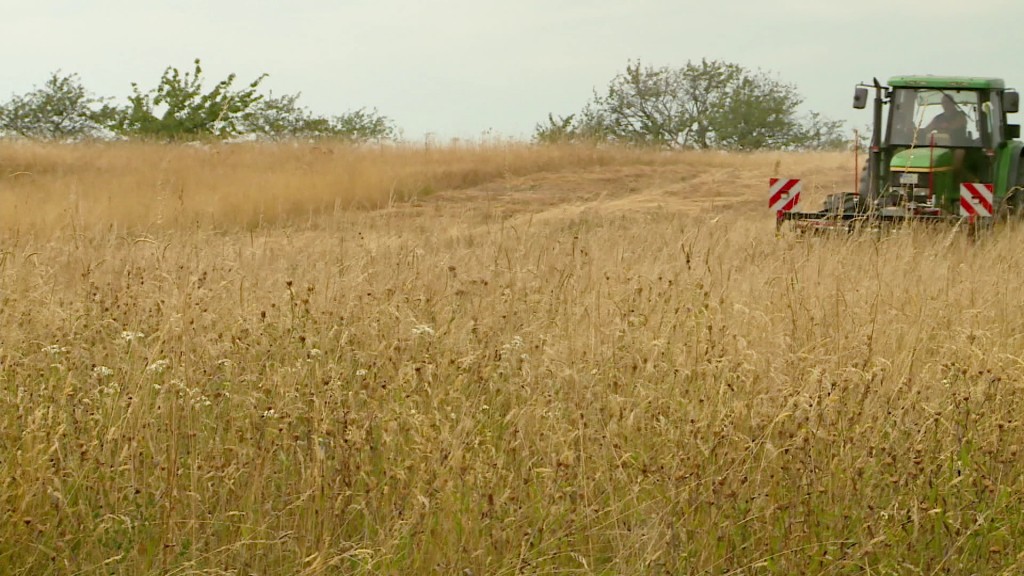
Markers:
point(947, 153)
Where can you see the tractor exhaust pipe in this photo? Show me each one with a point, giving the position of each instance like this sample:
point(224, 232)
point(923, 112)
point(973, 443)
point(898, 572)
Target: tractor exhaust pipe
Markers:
point(875, 158)
point(860, 101)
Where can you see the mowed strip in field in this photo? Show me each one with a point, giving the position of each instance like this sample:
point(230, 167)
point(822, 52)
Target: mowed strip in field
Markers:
point(491, 360)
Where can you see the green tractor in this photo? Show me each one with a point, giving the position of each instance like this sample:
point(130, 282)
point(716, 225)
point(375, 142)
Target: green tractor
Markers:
point(947, 153)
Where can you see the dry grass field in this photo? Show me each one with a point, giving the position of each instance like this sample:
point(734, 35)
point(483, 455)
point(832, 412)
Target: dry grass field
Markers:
point(492, 359)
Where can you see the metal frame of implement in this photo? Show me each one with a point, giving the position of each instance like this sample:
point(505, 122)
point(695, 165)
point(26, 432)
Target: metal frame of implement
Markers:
point(784, 196)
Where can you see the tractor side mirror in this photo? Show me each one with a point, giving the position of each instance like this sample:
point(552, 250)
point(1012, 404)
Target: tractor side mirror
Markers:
point(1011, 102)
point(860, 98)
point(1012, 131)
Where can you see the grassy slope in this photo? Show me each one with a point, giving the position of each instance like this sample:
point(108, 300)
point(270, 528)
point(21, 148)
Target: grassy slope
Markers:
point(596, 361)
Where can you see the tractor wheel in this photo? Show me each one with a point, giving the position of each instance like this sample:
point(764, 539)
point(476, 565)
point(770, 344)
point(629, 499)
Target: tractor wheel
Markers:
point(1009, 208)
point(1017, 192)
point(845, 203)
point(1012, 207)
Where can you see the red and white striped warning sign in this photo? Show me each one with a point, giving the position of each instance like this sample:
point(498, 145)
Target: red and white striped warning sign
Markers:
point(783, 194)
point(975, 199)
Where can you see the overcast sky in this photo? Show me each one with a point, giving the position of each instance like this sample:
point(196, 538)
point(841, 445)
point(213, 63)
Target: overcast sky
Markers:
point(469, 68)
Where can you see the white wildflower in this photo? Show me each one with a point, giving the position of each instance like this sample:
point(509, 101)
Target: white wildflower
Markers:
point(158, 366)
point(102, 372)
point(129, 336)
point(422, 330)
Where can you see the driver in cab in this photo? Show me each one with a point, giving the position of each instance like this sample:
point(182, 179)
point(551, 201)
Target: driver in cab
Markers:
point(951, 122)
point(949, 128)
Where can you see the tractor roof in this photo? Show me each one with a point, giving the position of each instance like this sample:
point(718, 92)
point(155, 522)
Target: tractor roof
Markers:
point(963, 82)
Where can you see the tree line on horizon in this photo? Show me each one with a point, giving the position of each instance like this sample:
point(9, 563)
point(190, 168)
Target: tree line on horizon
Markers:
point(706, 105)
point(179, 108)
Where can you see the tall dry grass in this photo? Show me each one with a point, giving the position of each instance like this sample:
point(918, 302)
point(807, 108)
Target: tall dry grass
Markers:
point(615, 382)
point(154, 186)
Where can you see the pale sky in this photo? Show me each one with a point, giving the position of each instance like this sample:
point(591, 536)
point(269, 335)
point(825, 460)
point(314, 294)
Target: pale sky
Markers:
point(475, 68)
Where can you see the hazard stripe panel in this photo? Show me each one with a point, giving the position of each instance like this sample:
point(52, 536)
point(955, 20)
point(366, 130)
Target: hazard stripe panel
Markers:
point(975, 199)
point(783, 194)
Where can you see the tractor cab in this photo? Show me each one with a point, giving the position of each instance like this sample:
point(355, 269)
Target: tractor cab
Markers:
point(940, 132)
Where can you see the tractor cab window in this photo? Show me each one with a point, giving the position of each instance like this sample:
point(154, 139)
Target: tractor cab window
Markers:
point(939, 117)
point(992, 116)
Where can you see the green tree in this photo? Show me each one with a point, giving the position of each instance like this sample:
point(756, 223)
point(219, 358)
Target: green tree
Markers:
point(181, 108)
point(363, 125)
point(821, 133)
point(62, 109)
point(668, 107)
point(282, 117)
point(755, 112)
point(556, 130)
point(586, 126)
point(279, 118)
point(710, 104)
